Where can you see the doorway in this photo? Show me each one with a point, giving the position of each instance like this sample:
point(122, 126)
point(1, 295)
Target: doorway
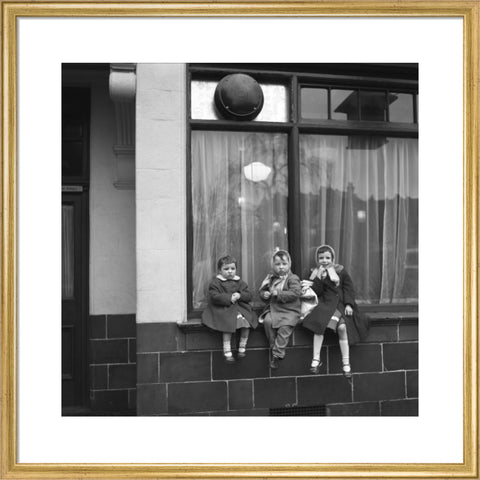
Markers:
point(75, 235)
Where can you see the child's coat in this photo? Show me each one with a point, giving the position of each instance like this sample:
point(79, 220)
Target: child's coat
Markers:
point(332, 297)
point(221, 313)
point(285, 309)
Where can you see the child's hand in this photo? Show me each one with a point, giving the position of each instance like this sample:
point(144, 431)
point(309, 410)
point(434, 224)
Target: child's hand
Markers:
point(266, 295)
point(275, 293)
point(235, 297)
point(348, 310)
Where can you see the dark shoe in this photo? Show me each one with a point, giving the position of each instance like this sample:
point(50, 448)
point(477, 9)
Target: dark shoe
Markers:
point(229, 359)
point(274, 363)
point(315, 369)
point(241, 354)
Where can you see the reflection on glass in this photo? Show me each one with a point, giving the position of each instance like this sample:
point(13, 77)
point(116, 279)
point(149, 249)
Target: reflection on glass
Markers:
point(314, 103)
point(401, 108)
point(67, 251)
point(344, 105)
point(372, 106)
point(237, 211)
point(276, 102)
point(363, 202)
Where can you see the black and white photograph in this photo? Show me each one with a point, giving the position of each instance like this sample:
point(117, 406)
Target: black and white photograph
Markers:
point(240, 239)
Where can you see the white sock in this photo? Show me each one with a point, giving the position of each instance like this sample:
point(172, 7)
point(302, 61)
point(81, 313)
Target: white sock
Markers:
point(227, 344)
point(242, 344)
point(345, 354)
point(317, 346)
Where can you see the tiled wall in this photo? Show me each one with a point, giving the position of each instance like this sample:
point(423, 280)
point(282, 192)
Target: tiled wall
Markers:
point(181, 371)
point(112, 364)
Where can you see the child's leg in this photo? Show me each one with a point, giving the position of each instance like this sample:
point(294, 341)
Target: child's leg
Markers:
point(281, 341)
point(270, 332)
point(317, 348)
point(343, 342)
point(242, 345)
point(227, 345)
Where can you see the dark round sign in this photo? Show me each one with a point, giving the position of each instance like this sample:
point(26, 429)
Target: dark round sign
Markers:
point(239, 97)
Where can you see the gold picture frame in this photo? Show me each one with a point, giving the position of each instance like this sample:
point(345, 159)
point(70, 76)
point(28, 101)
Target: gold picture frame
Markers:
point(468, 11)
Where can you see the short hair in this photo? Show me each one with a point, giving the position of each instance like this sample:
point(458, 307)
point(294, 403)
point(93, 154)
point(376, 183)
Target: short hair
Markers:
point(226, 260)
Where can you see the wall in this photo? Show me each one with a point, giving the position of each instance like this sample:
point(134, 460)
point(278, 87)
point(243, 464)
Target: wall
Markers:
point(181, 371)
point(160, 192)
point(112, 364)
point(112, 216)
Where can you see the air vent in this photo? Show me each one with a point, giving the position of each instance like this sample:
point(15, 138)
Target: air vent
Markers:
point(315, 411)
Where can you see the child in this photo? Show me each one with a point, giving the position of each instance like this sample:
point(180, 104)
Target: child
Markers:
point(229, 308)
point(282, 290)
point(336, 308)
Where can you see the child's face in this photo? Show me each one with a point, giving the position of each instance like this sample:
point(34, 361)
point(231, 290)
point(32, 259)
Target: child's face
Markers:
point(324, 258)
point(228, 270)
point(280, 266)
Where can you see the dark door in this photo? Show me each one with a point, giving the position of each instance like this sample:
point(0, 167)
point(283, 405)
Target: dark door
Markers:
point(75, 222)
point(74, 296)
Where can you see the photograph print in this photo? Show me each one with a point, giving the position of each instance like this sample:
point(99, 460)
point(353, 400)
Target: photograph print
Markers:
point(240, 239)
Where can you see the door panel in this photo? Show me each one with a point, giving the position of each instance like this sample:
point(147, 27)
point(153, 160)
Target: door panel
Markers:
point(74, 298)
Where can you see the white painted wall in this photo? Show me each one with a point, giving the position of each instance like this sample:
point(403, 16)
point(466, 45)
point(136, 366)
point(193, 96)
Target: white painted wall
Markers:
point(160, 192)
point(112, 216)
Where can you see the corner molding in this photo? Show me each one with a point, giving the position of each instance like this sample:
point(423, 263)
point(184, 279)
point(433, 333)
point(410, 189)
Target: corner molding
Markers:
point(122, 87)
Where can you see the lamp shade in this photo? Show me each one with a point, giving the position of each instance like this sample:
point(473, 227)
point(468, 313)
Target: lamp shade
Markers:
point(256, 171)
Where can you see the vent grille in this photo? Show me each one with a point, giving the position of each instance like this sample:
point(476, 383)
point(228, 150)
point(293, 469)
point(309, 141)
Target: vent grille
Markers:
point(315, 411)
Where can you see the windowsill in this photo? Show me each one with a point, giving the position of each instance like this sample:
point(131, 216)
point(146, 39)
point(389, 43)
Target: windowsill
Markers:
point(376, 318)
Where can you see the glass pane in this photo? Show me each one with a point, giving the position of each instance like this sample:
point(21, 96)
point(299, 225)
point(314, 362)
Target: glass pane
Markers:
point(401, 107)
point(67, 252)
point(344, 105)
point(275, 106)
point(360, 195)
point(239, 204)
point(314, 103)
point(372, 106)
point(72, 157)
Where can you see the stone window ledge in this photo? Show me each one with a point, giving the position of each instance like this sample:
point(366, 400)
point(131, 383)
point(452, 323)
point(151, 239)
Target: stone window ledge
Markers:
point(377, 318)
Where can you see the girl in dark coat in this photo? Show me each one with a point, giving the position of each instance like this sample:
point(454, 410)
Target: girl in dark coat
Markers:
point(336, 308)
point(229, 307)
point(281, 289)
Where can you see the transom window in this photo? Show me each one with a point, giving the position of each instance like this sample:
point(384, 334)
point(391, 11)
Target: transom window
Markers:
point(318, 103)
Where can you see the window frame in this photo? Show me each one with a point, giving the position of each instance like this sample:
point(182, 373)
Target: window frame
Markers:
point(396, 78)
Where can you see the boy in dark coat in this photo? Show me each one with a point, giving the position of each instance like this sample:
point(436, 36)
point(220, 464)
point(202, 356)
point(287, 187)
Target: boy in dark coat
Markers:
point(282, 290)
point(336, 308)
point(229, 307)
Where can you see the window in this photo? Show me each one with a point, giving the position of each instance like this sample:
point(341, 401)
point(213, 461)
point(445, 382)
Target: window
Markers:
point(318, 103)
point(334, 164)
point(360, 195)
point(239, 203)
